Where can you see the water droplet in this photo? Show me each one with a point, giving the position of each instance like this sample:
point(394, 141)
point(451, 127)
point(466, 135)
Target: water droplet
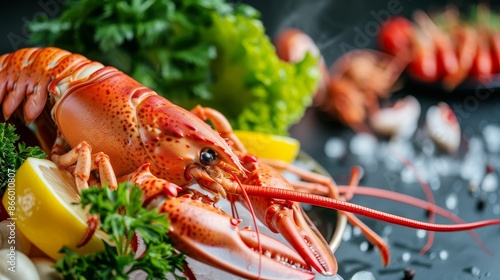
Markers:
point(387, 230)
point(421, 233)
point(428, 147)
point(406, 256)
point(347, 233)
point(443, 254)
point(451, 201)
point(475, 145)
point(490, 182)
point(432, 255)
point(408, 176)
point(442, 166)
point(363, 275)
point(435, 183)
point(363, 144)
point(391, 163)
point(364, 246)
point(356, 231)
point(473, 270)
point(335, 147)
point(491, 134)
point(472, 168)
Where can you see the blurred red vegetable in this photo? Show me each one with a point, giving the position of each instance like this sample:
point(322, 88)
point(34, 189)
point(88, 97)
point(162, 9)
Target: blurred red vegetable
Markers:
point(396, 35)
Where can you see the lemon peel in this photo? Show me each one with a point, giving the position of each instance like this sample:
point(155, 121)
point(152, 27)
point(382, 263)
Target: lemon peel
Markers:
point(45, 211)
point(269, 146)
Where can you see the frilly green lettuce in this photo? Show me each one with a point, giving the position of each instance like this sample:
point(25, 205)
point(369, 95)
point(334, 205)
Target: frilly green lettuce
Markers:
point(252, 87)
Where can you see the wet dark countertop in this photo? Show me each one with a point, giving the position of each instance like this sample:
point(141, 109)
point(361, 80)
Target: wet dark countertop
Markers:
point(338, 26)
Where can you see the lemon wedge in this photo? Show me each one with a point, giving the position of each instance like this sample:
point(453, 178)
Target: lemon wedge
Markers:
point(43, 209)
point(269, 146)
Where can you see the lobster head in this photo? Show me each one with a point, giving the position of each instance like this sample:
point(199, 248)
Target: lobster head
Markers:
point(183, 148)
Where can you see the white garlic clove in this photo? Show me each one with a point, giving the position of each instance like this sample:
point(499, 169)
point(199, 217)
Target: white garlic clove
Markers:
point(14, 265)
point(46, 270)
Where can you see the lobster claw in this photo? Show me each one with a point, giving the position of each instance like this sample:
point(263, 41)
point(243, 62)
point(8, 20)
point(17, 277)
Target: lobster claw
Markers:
point(211, 236)
point(288, 220)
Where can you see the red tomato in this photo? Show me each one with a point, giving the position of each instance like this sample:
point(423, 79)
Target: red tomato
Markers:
point(424, 67)
point(483, 62)
point(396, 35)
point(495, 51)
point(447, 60)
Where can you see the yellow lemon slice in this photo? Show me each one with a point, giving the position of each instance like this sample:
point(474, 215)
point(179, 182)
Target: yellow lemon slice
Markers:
point(44, 212)
point(269, 146)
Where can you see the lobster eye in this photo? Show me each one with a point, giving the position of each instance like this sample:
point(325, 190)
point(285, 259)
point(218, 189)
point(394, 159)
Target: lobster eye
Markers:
point(208, 156)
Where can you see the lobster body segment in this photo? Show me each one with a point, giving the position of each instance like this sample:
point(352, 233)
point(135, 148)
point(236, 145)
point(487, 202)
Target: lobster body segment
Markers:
point(115, 125)
point(127, 116)
point(105, 118)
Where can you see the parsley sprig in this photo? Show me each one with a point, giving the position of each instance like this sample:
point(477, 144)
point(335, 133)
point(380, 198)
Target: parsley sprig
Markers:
point(12, 156)
point(121, 216)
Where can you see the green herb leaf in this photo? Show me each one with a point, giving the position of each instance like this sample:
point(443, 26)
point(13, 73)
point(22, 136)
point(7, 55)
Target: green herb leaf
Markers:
point(121, 216)
point(10, 157)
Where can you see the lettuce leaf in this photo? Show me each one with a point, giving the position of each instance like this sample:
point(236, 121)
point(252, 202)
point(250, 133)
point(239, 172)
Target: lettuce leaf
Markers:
point(252, 87)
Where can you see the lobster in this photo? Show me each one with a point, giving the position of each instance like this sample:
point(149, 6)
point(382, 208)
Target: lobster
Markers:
point(141, 137)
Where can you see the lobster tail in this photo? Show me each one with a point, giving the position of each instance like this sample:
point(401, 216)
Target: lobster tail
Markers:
point(25, 76)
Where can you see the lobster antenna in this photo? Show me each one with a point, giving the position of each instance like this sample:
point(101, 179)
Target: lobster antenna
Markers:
point(428, 195)
point(254, 220)
point(416, 202)
point(331, 203)
point(370, 234)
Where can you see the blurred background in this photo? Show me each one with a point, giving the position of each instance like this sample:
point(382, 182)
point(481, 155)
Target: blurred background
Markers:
point(338, 27)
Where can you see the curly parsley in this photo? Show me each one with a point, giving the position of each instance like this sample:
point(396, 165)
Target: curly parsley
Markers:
point(121, 216)
point(12, 156)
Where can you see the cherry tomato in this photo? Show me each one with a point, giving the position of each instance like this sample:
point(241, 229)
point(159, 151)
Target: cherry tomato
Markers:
point(396, 35)
point(447, 60)
point(483, 61)
point(424, 67)
point(495, 51)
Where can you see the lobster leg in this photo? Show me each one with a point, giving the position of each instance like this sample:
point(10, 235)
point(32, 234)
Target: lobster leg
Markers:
point(151, 186)
point(221, 124)
point(85, 162)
